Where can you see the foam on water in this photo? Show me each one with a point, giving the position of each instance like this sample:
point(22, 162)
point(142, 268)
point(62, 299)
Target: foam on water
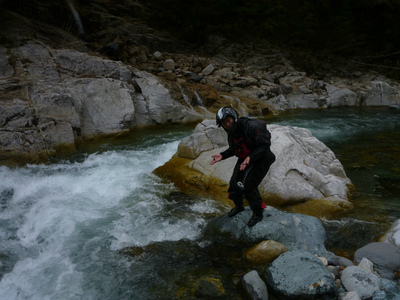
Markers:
point(68, 216)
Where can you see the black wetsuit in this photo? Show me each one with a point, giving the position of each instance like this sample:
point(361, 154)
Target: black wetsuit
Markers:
point(249, 138)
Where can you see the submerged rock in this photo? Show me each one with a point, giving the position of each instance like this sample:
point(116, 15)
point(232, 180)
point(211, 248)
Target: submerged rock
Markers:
point(209, 287)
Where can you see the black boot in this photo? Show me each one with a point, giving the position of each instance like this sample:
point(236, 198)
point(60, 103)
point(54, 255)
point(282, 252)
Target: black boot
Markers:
point(234, 211)
point(254, 220)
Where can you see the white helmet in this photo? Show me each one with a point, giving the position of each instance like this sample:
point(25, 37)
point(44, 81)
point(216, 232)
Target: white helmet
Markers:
point(225, 112)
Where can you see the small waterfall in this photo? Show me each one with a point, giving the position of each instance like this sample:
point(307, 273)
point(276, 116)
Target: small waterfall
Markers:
point(77, 18)
point(199, 102)
point(185, 97)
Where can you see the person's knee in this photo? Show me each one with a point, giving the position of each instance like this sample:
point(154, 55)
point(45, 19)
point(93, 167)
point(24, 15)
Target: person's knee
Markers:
point(234, 195)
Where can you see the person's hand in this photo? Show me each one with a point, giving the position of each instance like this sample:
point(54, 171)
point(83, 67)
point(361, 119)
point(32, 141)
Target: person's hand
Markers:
point(215, 158)
point(244, 164)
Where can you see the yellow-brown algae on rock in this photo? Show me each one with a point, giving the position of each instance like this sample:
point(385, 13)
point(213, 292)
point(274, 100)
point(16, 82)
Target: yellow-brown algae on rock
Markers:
point(208, 287)
point(132, 251)
point(264, 252)
point(192, 182)
point(320, 208)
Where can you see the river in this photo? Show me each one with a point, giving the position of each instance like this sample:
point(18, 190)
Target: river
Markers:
point(100, 225)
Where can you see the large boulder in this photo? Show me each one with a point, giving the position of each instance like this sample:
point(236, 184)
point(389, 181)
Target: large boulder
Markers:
point(55, 98)
point(294, 231)
point(304, 169)
point(381, 94)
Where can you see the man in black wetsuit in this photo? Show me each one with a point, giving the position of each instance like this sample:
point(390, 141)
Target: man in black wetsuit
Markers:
point(250, 141)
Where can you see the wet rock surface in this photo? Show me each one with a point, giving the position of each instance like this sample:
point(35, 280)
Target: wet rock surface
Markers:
point(294, 231)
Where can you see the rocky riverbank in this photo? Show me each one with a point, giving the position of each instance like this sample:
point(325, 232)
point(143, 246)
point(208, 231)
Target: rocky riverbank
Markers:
point(57, 94)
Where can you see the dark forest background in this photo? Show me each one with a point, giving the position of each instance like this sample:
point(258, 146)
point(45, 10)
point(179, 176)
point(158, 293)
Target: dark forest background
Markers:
point(343, 26)
point(365, 32)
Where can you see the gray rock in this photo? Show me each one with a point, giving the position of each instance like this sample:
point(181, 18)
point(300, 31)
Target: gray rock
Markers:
point(334, 270)
point(366, 265)
point(299, 274)
point(157, 55)
point(385, 256)
point(169, 64)
point(67, 96)
point(254, 286)
point(390, 290)
point(385, 295)
point(295, 231)
point(304, 168)
point(208, 70)
point(195, 77)
point(341, 97)
point(350, 296)
point(279, 103)
point(340, 261)
point(393, 234)
point(206, 137)
point(355, 279)
point(382, 94)
point(244, 82)
point(304, 101)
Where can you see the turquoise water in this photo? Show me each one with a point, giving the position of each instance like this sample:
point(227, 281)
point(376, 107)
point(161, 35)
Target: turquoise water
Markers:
point(100, 225)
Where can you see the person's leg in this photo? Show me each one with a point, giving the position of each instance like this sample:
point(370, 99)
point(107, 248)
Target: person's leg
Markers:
point(255, 202)
point(257, 172)
point(252, 180)
point(254, 199)
point(235, 194)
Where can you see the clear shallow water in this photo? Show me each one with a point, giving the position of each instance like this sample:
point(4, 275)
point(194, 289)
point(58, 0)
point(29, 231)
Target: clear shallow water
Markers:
point(66, 227)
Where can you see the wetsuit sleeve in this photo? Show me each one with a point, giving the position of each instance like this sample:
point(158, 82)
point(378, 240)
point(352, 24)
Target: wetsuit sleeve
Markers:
point(262, 139)
point(230, 151)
